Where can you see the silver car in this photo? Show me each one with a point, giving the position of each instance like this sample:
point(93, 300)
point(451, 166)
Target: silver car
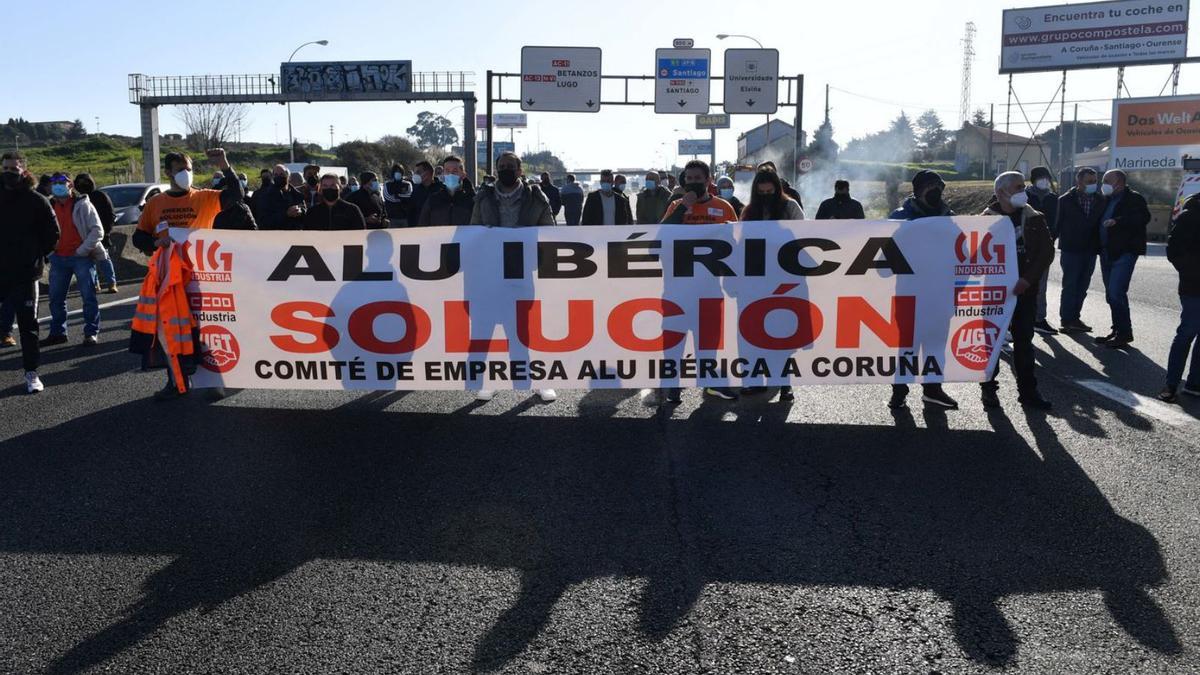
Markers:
point(128, 199)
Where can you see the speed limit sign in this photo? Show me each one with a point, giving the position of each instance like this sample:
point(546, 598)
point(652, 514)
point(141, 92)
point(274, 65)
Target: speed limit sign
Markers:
point(804, 165)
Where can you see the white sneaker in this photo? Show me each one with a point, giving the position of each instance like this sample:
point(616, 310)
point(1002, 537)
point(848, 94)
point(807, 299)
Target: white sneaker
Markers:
point(33, 384)
point(484, 395)
point(548, 395)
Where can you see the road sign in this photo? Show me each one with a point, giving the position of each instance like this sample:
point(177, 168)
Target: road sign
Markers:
point(752, 81)
point(695, 146)
point(681, 80)
point(497, 148)
point(715, 121)
point(503, 121)
point(804, 165)
point(560, 79)
point(684, 43)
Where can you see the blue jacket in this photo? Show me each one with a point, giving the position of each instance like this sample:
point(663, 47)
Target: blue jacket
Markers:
point(911, 209)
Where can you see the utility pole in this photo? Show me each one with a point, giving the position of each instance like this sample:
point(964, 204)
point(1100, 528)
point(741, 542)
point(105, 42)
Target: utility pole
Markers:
point(1075, 136)
point(827, 103)
point(991, 138)
point(330, 137)
point(964, 101)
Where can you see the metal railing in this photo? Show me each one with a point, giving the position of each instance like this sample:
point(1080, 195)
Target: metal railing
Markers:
point(142, 87)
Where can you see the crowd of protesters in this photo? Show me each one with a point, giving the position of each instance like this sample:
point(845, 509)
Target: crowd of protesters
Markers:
point(65, 223)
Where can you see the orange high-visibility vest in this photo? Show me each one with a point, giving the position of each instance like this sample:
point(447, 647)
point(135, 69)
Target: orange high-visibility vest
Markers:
point(163, 308)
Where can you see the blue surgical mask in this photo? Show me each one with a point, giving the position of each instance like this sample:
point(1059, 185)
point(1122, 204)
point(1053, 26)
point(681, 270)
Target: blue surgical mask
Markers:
point(397, 176)
point(1090, 189)
point(451, 181)
point(374, 186)
point(60, 190)
point(651, 184)
point(606, 187)
point(726, 193)
point(619, 187)
point(354, 188)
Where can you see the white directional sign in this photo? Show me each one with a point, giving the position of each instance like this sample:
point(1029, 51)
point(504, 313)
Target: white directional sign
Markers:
point(560, 79)
point(752, 81)
point(681, 80)
point(695, 146)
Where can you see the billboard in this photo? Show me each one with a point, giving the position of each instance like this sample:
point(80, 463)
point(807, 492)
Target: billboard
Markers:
point(1154, 133)
point(1093, 35)
point(345, 77)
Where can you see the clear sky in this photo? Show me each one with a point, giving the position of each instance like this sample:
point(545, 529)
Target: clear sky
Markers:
point(881, 57)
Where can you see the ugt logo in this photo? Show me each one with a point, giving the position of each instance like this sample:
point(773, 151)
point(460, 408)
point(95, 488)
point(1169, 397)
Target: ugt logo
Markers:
point(973, 343)
point(208, 264)
point(219, 349)
point(978, 256)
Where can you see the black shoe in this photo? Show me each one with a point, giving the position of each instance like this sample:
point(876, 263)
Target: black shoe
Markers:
point(725, 393)
point(671, 395)
point(1075, 326)
point(899, 400)
point(1035, 401)
point(1168, 395)
point(51, 340)
point(168, 393)
point(1105, 339)
point(939, 398)
point(1119, 342)
point(786, 395)
point(990, 399)
point(1044, 328)
point(751, 391)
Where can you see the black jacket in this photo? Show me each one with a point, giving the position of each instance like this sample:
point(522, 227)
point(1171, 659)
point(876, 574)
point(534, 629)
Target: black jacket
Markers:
point(371, 204)
point(1183, 246)
point(420, 193)
point(835, 209)
point(1047, 205)
point(341, 215)
point(443, 208)
point(271, 205)
point(104, 209)
point(236, 217)
point(593, 210)
point(1078, 233)
point(1035, 248)
point(28, 233)
point(552, 194)
point(1129, 234)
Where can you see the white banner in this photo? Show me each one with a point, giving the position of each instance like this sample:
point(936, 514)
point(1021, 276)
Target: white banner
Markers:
point(801, 302)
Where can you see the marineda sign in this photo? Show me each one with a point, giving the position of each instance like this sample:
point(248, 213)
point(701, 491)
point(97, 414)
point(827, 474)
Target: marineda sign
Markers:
point(1154, 133)
point(1093, 35)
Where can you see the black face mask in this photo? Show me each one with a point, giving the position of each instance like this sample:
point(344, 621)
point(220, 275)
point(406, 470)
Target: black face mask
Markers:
point(312, 181)
point(11, 180)
point(507, 177)
point(842, 196)
point(700, 189)
point(934, 197)
point(279, 181)
point(330, 194)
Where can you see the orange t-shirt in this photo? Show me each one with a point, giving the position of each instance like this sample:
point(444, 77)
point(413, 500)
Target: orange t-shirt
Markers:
point(69, 240)
point(713, 211)
point(195, 210)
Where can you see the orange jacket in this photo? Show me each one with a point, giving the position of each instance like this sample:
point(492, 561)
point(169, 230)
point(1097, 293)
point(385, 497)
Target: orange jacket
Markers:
point(163, 311)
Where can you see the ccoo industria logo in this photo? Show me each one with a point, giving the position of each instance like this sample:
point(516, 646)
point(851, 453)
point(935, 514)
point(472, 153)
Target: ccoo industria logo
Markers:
point(208, 263)
point(978, 256)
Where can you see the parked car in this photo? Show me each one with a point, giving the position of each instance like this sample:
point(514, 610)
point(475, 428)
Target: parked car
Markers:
point(130, 198)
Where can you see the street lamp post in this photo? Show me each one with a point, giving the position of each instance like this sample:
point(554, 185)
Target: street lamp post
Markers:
point(291, 139)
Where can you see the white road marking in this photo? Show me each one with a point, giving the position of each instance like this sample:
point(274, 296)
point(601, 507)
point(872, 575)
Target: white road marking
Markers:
point(77, 312)
point(1143, 405)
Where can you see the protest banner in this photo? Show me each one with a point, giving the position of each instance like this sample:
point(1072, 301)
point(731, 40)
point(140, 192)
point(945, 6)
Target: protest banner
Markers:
point(770, 303)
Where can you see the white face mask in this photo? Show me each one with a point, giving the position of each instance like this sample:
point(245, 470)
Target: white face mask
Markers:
point(1018, 200)
point(183, 179)
point(1106, 190)
point(1042, 184)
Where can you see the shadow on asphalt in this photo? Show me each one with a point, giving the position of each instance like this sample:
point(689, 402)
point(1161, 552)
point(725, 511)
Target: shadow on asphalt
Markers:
point(248, 495)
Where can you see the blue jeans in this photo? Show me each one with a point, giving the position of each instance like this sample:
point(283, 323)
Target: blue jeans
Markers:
point(83, 270)
point(108, 273)
point(1187, 338)
point(1117, 274)
point(1077, 270)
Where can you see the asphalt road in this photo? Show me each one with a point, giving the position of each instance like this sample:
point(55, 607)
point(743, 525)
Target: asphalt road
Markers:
point(425, 533)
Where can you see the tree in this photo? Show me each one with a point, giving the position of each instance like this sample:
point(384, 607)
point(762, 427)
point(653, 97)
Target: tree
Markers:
point(399, 149)
point(211, 124)
point(932, 136)
point(378, 156)
point(77, 131)
point(894, 144)
point(902, 132)
point(535, 163)
point(432, 131)
point(823, 146)
point(979, 119)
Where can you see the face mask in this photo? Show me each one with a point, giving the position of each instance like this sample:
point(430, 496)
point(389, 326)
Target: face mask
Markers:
point(1090, 189)
point(397, 176)
point(699, 189)
point(354, 188)
point(183, 179)
point(1018, 200)
point(11, 179)
point(934, 197)
point(619, 187)
point(841, 196)
point(330, 194)
point(606, 187)
point(311, 181)
point(651, 184)
point(451, 181)
point(1042, 184)
point(279, 181)
point(216, 182)
point(374, 186)
point(1106, 190)
point(243, 184)
point(767, 196)
point(507, 177)
point(60, 190)
point(726, 193)
point(84, 188)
